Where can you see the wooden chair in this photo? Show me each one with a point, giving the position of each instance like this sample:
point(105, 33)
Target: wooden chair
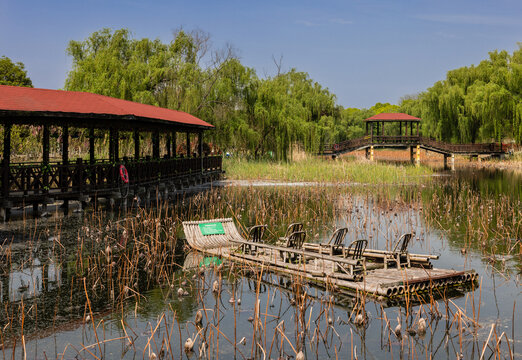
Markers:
point(292, 228)
point(336, 241)
point(295, 242)
point(255, 234)
point(334, 246)
point(399, 253)
point(355, 251)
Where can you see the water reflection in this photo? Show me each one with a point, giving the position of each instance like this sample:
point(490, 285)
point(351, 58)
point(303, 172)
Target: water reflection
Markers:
point(30, 281)
point(287, 313)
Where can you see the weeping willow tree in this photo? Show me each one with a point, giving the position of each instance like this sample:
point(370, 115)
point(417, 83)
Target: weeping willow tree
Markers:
point(474, 104)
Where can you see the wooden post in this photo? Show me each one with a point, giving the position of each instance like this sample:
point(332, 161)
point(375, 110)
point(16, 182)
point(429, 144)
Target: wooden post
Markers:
point(65, 145)
point(111, 145)
point(200, 148)
point(417, 129)
point(6, 171)
point(400, 128)
point(156, 145)
point(371, 130)
point(92, 157)
point(174, 145)
point(65, 162)
point(411, 154)
point(188, 144)
point(45, 158)
point(136, 145)
point(167, 145)
point(116, 145)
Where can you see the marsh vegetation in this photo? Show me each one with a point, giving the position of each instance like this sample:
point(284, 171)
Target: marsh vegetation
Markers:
point(107, 285)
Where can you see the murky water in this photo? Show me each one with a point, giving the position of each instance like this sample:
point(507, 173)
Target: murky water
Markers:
point(61, 298)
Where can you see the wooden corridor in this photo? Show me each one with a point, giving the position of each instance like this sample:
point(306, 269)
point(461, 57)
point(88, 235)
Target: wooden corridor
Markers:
point(157, 165)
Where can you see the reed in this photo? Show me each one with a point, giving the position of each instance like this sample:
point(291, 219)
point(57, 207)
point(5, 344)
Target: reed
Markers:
point(117, 270)
point(326, 170)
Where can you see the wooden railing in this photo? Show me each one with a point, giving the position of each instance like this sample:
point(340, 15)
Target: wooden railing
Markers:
point(462, 148)
point(354, 144)
point(80, 177)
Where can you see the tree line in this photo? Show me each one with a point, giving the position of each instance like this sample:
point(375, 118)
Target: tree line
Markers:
point(258, 116)
point(480, 103)
point(263, 117)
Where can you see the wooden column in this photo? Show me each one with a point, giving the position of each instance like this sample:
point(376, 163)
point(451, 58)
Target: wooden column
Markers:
point(167, 145)
point(65, 145)
point(174, 145)
point(200, 148)
point(411, 129)
point(45, 157)
point(65, 161)
point(116, 145)
point(417, 129)
point(6, 161)
point(136, 145)
point(111, 145)
point(400, 128)
point(156, 145)
point(188, 144)
point(92, 157)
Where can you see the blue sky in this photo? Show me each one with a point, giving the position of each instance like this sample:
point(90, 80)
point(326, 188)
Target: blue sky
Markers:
point(363, 51)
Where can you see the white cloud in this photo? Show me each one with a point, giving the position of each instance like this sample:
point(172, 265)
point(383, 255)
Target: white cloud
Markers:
point(341, 21)
point(469, 19)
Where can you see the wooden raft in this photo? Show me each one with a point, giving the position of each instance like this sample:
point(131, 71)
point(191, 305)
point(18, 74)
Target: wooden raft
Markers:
point(220, 237)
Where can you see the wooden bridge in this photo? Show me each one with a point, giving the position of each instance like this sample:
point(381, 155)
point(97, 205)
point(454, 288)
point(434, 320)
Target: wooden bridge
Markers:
point(399, 138)
point(170, 167)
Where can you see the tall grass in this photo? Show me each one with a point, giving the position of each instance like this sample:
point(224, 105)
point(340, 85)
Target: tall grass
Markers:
point(326, 170)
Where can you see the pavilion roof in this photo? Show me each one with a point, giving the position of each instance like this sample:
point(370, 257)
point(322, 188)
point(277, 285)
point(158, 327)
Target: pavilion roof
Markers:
point(393, 117)
point(22, 101)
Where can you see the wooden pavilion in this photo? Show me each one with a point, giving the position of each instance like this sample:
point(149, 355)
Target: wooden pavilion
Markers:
point(47, 180)
point(375, 127)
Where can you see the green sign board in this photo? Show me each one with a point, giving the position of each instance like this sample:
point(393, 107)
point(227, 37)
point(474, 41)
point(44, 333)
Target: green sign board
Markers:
point(210, 261)
point(212, 228)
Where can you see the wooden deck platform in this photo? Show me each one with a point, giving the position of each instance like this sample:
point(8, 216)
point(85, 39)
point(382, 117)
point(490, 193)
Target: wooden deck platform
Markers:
point(341, 273)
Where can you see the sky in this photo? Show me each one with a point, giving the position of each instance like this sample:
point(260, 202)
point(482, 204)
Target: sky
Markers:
point(363, 51)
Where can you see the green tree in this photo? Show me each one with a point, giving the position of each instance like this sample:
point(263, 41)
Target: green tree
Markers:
point(476, 103)
point(13, 73)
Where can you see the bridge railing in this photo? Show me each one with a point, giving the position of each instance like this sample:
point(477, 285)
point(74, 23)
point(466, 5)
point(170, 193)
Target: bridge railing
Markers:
point(353, 144)
point(347, 145)
point(79, 177)
point(395, 140)
point(462, 148)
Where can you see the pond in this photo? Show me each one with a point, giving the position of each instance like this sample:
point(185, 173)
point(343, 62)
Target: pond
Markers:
point(102, 284)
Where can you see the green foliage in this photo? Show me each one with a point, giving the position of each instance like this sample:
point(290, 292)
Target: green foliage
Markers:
point(13, 73)
point(259, 117)
point(474, 104)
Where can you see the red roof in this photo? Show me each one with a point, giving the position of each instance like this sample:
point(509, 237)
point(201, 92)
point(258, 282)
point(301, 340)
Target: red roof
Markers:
point(393, 117)
point(14, 98)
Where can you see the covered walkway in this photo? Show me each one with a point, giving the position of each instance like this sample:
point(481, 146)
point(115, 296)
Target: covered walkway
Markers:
point(172, 158)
